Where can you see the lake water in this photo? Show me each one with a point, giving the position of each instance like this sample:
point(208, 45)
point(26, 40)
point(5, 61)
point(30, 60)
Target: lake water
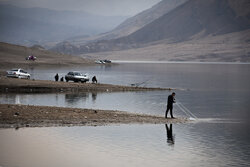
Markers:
point(218, 94)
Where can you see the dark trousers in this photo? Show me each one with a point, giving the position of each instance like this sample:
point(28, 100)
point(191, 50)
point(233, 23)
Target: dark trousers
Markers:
point(171, 111)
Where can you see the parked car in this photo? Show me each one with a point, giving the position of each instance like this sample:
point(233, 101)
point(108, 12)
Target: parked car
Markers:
point(31, 58)
point(103, 61)
point(76, 77)
point(18, 73)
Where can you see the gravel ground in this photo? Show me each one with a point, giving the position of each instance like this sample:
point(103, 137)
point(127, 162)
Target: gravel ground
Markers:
point(16, 85)
point(16, 116)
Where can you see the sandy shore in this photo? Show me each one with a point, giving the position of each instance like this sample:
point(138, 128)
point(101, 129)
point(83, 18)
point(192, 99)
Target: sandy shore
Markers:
point(15, 116)
point(41, 86)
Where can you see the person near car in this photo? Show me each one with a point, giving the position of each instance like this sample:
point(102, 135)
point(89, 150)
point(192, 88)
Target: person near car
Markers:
point(94, 80)
point(56, 77)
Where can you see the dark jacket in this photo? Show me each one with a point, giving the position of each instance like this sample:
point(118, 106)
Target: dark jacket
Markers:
point(171, 100)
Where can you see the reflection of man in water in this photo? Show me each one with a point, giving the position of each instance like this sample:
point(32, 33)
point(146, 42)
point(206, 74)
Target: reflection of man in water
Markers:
point(94, 95)
point(170, 138)
point(171, 100)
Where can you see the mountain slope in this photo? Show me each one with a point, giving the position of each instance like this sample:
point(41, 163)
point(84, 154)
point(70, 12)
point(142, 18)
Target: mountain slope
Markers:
point(134, 23)
point(231, 47)
point(210, 17)
point(194, 19)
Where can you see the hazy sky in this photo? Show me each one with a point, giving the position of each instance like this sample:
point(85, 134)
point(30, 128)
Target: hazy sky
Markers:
point(101, 7)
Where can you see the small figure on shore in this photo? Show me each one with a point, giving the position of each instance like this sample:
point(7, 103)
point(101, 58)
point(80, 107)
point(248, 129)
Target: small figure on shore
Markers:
point(170, 138)
point(94, 80)
point(171, 100)
point(56, 77)
point(62, 79)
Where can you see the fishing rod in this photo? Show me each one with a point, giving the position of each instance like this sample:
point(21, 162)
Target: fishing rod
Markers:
point(186, 110)
point(183, 110)
point(139, 84)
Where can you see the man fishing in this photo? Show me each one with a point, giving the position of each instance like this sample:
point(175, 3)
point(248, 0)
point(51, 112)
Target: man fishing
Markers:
point(171, 100)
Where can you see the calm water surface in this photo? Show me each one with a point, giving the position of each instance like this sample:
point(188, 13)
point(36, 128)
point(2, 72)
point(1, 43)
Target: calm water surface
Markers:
point(218, 94)
point(200, 144)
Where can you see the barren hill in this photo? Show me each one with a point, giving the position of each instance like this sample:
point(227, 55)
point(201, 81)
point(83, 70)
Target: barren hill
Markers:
point(134, 23)
point(194, 21)
point(14, 56)
point(231, 47)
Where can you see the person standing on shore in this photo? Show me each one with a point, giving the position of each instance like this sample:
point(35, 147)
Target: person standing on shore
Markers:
point(171, 100)
point(56, 77)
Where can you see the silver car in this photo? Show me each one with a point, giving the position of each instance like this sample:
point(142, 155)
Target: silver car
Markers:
point(18, 73)
point(76, 77)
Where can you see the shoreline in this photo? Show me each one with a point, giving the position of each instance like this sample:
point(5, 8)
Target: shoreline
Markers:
point(18, 116)
point(180, 62)
point(15, 85)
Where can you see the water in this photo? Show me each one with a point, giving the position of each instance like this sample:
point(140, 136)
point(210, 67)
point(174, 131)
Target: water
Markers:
point(126, 145)
point(204, 104)
point(186, 76)
point(218, 94)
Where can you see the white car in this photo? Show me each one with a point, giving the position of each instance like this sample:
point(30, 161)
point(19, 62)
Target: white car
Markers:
point(76, 77)
point(18, 73)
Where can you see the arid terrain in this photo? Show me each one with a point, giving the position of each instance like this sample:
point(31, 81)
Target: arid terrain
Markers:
point(42, 116)
point(232, 47)
point(13, 56)
point(186, 30)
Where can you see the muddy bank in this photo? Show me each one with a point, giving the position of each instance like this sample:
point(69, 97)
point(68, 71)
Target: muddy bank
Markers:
point(40, 86)
point(12, 116)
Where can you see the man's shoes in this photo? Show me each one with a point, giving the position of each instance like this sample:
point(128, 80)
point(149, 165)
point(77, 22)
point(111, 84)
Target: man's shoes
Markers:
point(173, 117)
